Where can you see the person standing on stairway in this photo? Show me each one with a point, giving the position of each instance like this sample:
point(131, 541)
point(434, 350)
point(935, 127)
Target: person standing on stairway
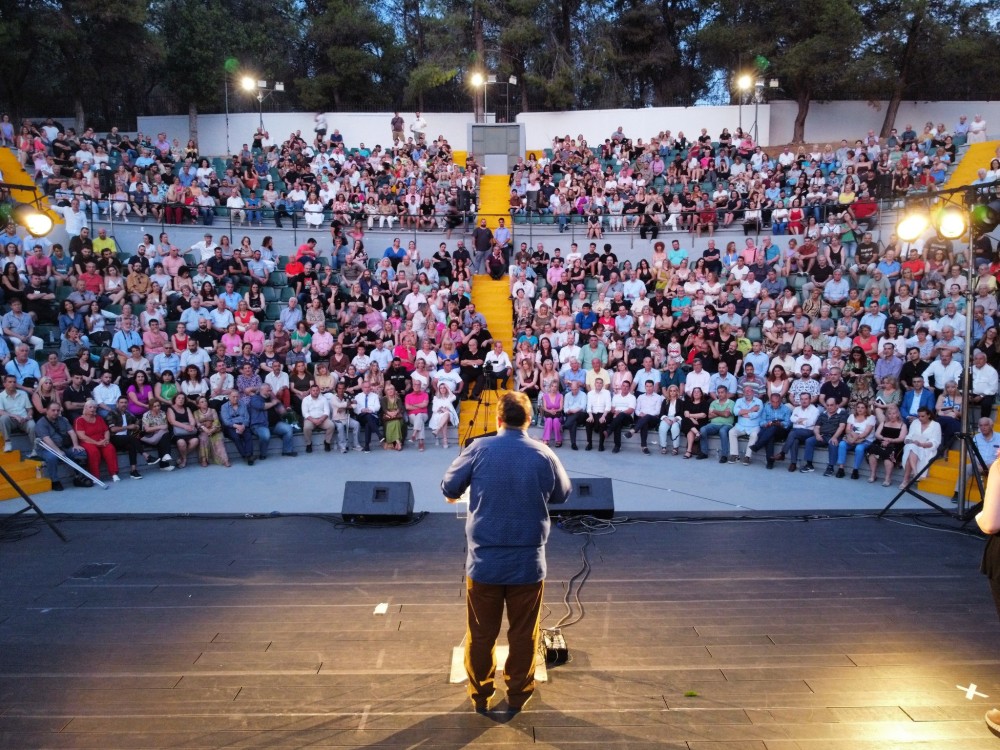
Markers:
point(482, 242)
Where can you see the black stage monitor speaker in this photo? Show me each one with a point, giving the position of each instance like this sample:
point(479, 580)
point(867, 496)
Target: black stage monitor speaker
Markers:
point(377, 502)
point(590, 497)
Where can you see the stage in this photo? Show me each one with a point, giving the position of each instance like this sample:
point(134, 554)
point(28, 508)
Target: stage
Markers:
point(839, 634)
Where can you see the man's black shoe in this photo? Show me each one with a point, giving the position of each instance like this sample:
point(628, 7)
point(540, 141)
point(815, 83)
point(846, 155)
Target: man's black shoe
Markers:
point(573, 446)
point(309, 449)
point(327, 447)
point(770, 463)
point(616, 449)
point(57, 486)
point(82, 482)
point(250, 460)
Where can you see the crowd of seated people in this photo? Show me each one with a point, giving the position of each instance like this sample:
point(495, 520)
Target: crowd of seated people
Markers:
point(673, 182)
point(178, 350)
point(380, 349)
point(413, 182)
point(821, 345)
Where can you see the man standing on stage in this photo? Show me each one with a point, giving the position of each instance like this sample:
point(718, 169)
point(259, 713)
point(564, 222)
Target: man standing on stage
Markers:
point(510, 478)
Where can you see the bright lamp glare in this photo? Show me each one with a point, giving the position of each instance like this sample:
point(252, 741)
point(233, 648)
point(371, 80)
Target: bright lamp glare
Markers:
point(951, 223)
point(912, 226)
point(248, 83)
point(37, 223)
point(477, 79)
point(744, 82)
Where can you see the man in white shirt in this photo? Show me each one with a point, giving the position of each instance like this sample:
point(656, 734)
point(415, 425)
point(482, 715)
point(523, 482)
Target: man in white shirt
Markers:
point(237, 208)
point(316, 414)
point(808, 357)
point(204, 249)
point(195, 355)
point(15, 414)
point(497, 366)
point(598, 413)
point(647, 412)
point(344, 426)
point(941, 370)
point(73, 217)
point(697, 378)
point(220, 317)
point(750, 287)
point(632, 286)
point(106, 394)
point(804, 418)
point(448, 376)
point(647, 374)
point(419, 128)
point(622, 411)
point(278, 380)
point(568, 352)
point(748, 412)
point(984, 384)
point(219, 385)
point(380, 355)
point(524, 284)
point(367, 407)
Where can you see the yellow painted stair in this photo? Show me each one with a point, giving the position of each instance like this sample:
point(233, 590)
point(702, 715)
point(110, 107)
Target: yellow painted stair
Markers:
point(25, 473)
point(14, 173)
point(977, 156)
point(475, 418)
point(494, 199)
point(492, 299)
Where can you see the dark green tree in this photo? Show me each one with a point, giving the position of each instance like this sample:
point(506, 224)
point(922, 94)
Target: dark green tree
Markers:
point(810, 50)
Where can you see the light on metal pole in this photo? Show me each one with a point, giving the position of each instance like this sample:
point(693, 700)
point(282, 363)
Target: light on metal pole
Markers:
point(477, 80)
point(251, 85)
point(743, 84)
point(512, 81)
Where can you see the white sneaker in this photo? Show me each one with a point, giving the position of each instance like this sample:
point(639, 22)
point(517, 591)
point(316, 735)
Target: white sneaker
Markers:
point(8, 447)
point(115, 478)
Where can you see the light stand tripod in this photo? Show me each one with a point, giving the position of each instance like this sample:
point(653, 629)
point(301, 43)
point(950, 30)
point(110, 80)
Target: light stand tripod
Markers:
point(963, 514)
point(486, 405)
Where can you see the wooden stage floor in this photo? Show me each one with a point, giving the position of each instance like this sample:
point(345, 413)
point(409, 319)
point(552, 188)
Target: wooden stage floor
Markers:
point(850, 634)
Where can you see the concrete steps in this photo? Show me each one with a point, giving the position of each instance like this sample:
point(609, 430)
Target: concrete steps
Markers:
point(15, 174)
point(494, 199)
point(977, 156)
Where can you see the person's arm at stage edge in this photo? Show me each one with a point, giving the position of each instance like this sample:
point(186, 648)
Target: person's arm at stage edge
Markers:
point(989, 517)
point(458, 477)
point(561, 486)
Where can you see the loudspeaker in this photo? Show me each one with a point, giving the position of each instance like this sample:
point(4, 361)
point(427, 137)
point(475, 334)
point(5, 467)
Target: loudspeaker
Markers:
point(589, 497)
point(377, 502)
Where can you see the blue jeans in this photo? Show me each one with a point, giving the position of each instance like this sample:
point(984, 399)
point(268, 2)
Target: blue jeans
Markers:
point(52, 463)
point(281, 429)
point(832, 450)
point(242, 440)
point(796, 436)
point(722, 430)
point(859, 453)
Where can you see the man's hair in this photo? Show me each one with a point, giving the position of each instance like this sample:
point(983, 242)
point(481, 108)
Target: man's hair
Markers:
point(514, 410)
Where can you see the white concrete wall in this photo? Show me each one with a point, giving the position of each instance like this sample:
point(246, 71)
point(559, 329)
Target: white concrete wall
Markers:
point(596, 125)
point(828, 122)
point(356, 127)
